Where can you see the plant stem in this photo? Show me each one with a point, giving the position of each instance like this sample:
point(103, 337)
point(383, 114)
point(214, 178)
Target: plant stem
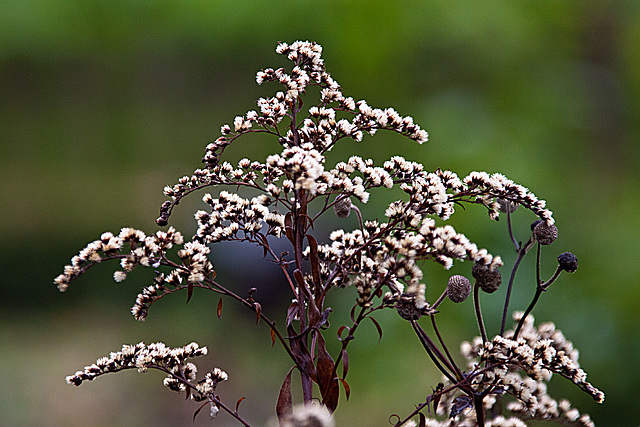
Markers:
point(433, 351)
point(476, 305)
point(505, 310)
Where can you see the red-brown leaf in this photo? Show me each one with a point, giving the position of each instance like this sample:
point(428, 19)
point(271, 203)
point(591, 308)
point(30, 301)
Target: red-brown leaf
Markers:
point(285, 402)
point(220, 308)
point(273, 337)
point(238, 403)
point(378, 327)
point(340, 330)
point(345, 363)
point(327, 383)
point(189, 291)
point(288, 227)
point(292, 311)
point(258, 308)
point(315, 263)
point(347, 389)
point(195, 414)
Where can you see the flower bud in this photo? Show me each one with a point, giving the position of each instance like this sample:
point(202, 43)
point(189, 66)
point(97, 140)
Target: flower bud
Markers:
point(545, 234)
point(488, 279)
point(458, 288)
point(342, 208)
point(568, 262)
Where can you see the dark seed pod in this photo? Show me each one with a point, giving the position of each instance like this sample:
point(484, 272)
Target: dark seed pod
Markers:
point(406, 307)
point(545, 234)
point(507, 205)
point(458, 288)
point(342, 208)
point(536, 222)
point(568, 262)
point(488, 279)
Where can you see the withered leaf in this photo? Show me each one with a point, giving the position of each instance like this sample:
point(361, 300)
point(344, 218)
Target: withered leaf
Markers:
point(285, 402)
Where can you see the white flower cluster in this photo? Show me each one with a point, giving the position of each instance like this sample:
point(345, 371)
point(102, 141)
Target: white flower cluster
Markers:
point(497, 186)
point(522, 367)
point(304, 165)
point(144, 250)
point(231, 213)
point(141, 357)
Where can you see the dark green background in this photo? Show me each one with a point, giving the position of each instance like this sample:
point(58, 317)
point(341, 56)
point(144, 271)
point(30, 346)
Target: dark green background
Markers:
point(103, 103)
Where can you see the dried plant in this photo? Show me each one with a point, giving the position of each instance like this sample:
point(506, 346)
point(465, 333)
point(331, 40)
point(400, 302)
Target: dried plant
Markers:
point(503, 381)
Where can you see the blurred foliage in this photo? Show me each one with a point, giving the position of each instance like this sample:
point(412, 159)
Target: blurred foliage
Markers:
point(104, 103)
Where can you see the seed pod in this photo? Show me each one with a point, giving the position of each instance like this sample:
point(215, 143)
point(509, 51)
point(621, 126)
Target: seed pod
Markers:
point(458, 288)
point(568, 262)
point(488, 279)
point(507, 205)
point(545, 234)
point(406, 307)
point(342, 208)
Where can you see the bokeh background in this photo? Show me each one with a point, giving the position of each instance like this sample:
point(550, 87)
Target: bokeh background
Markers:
point(104, 103)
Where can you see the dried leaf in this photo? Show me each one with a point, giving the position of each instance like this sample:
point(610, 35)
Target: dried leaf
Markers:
point(353, 314)
point(265, 244)
point(258, 308)
point(460, 403)
point(299, 277)
point(345, 363)
point(423, 420)
point(189, 291)
point(273, 337)
point(378, 327)
point(285, 402)
point(347, 389)
point(315, 264)
point(195, 414)
point(238, 403)
point(437, 394)
point(288, 227)
point(301, 354)
point(340, 330)
point(220, 308)
point(327, 383)
point(292, 312)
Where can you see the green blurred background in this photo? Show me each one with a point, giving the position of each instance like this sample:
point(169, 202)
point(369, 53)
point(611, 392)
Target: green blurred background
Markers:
point(103, 103)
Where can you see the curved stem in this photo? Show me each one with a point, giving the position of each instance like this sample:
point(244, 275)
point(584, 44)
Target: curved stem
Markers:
point(476, 305)
point(433, 352)
point(505, 310)
point(452, 363)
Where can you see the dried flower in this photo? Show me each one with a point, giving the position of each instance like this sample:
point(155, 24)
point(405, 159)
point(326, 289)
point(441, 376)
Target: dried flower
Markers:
point(487, 278)
point(544, 233)
point(568, 262)
point(458, 288)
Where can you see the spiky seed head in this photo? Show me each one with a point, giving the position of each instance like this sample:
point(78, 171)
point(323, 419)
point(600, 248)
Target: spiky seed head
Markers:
point(458, 288)
point(545, 234)
point(488, 279)
point(568, 262)
point(507, 205)
point(342, 208)
point(406, 307)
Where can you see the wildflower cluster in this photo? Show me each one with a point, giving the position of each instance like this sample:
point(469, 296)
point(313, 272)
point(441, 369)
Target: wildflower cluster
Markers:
point(284, 196)
point(181, 375)
point(521, 368)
